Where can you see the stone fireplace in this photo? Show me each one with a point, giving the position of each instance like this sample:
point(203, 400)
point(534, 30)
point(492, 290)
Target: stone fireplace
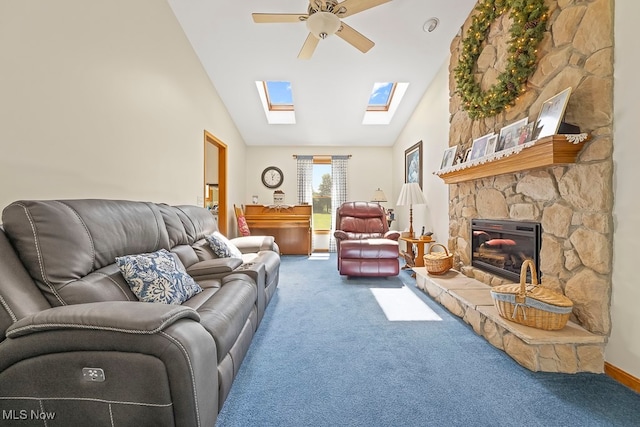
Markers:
point(573, 203)
point(500, 247)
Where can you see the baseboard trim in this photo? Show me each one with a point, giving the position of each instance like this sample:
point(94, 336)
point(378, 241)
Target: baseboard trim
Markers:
point(622, 376)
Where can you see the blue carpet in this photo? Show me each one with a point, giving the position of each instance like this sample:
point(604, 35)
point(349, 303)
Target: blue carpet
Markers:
point(325, 355)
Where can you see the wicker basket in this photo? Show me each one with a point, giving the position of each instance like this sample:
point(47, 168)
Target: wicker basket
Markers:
point(438, 262)
point(532, 305)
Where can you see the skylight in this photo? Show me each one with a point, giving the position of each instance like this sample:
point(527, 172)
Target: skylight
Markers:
point(381, 96)
point(383, 102)
point(277, 101)
point(279, 97)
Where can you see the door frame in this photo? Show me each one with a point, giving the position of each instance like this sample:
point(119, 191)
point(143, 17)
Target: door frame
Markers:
point(222, 178)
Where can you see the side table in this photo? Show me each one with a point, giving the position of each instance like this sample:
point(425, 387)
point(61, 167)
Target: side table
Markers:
point(414, 259)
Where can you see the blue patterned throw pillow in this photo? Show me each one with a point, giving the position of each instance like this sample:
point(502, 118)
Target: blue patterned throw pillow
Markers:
point(222, 247)
point(158, 277)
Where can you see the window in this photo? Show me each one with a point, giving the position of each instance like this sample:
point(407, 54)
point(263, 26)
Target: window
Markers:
point(381, 96)
point(321, 195)
point(383, 102)
point(279, 97)
point(277, 101)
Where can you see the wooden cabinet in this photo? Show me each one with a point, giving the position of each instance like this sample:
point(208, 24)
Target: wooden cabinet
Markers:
point(290, 225)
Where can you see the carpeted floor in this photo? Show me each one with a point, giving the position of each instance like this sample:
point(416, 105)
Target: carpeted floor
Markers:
point(325, 354)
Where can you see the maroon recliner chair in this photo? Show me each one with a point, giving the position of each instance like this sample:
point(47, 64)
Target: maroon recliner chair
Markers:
point(365, 245)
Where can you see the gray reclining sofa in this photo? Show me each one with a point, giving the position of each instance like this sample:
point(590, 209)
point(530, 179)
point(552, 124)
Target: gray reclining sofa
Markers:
point(76, 344)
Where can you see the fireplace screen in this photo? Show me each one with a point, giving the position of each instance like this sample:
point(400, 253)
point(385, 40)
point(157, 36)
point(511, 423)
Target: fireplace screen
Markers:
point(500, 247)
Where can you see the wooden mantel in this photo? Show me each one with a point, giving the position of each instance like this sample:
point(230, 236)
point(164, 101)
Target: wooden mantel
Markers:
point(548, 151)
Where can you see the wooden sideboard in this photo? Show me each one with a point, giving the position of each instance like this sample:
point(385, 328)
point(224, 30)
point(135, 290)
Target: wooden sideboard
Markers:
point(290, 225)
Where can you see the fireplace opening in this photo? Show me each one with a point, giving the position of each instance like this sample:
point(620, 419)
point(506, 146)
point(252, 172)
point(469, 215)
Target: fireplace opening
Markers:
point(501, 246)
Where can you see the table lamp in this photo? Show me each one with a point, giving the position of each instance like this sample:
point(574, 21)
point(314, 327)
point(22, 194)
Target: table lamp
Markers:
point(411, 194)
point(378, 196)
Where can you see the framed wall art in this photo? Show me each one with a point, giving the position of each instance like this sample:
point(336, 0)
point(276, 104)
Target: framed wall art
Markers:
point(551, 114)
point(413, 164)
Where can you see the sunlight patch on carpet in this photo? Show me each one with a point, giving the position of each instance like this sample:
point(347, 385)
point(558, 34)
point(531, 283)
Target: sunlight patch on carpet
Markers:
point(401, 304)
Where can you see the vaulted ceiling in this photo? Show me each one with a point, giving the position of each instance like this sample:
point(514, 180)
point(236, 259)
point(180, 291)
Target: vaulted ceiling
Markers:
point(331, 90)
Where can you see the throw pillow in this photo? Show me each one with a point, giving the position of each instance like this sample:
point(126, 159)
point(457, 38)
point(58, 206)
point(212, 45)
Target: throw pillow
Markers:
point(222, 247)
point(243, 227)
point(158, 277)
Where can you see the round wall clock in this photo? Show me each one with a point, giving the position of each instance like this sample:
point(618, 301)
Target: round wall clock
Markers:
point(272, 177)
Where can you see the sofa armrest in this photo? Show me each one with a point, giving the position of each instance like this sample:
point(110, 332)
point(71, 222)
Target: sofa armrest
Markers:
point(392, 235)
point(111, 316)
point(341, 235)
point(144, 352)
point(252, 244)
point(213, 268)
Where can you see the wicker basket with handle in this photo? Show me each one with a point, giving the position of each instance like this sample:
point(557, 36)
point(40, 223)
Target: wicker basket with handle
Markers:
point(530, 304)
point(438, 262)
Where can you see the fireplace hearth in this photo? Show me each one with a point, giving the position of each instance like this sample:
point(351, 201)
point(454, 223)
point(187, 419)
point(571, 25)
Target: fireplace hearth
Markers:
point(500, 246)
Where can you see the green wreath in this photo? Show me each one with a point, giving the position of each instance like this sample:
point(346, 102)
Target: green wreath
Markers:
point(529, 20)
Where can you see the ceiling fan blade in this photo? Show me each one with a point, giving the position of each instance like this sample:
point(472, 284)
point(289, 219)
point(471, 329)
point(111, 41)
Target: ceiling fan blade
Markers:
point(272, 18)
point(354, 6)
point(354, 38)
point(308, 47)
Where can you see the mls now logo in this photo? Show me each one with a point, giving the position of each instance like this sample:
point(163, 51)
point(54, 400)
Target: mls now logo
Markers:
point(23, 414)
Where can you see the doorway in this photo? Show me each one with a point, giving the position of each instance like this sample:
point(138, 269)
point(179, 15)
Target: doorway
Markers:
point(215, 178)
point(322, 189)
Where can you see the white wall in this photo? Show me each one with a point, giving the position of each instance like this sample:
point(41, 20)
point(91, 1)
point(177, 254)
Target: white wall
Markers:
point(105, 99)
point(623, 349)
point(429, 123)
point(369, 168)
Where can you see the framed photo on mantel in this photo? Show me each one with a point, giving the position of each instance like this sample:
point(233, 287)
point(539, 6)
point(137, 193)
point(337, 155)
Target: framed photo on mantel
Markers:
point(551, 114)
point(448, 157)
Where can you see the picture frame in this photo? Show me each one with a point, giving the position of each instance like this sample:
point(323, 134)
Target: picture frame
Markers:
point(448, 157)
point(459, 158)
point(492, 144)
point(479, 147)
point(525, 133)
point(413, 164)
point(509, 134)
point(551, 114)
point(465, 158)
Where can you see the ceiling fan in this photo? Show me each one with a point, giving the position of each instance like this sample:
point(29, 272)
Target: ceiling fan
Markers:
point(324, 19)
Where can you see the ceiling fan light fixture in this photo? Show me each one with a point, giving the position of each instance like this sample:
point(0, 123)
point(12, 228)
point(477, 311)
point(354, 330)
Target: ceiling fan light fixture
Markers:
point(323, 24)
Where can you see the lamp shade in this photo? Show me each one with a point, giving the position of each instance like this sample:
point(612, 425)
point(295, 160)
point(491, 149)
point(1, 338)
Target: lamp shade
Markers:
point(411, 194)
point(378, 196)
point(323, 24)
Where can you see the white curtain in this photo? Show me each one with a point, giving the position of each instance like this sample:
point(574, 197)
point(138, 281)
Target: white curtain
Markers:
point(305, 183)
point(305, 179)
point(338, 191)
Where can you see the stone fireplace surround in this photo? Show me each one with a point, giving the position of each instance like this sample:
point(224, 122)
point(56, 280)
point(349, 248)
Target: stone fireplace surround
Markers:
point(572, 202)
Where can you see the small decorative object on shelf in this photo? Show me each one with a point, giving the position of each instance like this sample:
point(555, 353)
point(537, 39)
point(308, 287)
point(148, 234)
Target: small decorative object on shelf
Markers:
point(426, 236)
point(278, 197)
